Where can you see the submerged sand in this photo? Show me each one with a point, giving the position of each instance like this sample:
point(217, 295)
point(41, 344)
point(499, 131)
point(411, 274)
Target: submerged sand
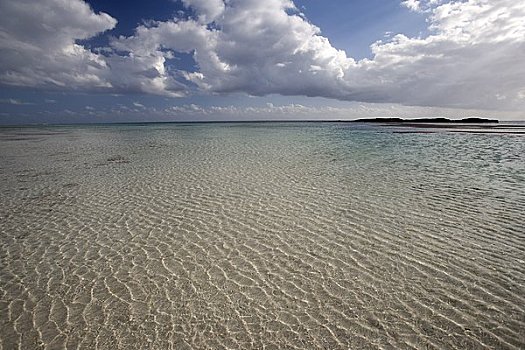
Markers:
point(242, 236)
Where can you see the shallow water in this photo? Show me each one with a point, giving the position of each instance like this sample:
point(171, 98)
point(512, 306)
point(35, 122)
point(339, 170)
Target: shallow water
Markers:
point(288, 235)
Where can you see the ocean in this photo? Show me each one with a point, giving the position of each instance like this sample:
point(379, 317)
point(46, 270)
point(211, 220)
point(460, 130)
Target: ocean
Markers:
point(261, 236)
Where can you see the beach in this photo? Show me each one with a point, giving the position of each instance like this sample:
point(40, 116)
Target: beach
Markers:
point(261, 236)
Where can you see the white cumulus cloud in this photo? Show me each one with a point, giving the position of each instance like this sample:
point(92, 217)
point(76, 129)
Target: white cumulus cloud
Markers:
point(39, 48)
point(472, 58)
point(207, 10)
point(413, 5)
point(38, 43)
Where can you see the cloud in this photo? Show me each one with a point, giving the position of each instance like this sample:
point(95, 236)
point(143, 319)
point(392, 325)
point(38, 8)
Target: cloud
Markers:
point(260, 49)
point(207, 10)
point(413, 5)
point(38, 44)
point(473, 57)
point(270, 111)
point(295, 111)
point(420, 5)
point(13, 101)
point(39, 48)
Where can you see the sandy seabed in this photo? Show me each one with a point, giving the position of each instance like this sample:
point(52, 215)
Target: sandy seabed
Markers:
point(260, 236)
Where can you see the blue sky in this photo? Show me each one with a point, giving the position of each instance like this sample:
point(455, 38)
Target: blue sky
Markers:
point(103, 61)
point(354, 25)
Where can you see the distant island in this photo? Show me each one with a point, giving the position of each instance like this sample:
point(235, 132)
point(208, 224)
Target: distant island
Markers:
point(430, 125)
point(428, 120)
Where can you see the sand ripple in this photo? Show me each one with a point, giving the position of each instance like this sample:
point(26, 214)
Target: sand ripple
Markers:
point(288, 236)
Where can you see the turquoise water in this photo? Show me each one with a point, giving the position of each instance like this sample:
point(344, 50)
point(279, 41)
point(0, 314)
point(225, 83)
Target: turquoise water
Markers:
point(285, 235)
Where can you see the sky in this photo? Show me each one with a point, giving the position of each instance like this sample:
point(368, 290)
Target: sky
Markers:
point(76, 61)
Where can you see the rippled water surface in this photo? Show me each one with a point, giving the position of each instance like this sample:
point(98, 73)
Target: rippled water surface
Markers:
point(240, 236)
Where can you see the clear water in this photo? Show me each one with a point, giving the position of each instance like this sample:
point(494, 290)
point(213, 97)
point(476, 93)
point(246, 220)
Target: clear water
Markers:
point(238, 236)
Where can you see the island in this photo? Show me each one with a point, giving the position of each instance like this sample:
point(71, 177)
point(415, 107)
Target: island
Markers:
point(431, 125)
point(472, 120)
